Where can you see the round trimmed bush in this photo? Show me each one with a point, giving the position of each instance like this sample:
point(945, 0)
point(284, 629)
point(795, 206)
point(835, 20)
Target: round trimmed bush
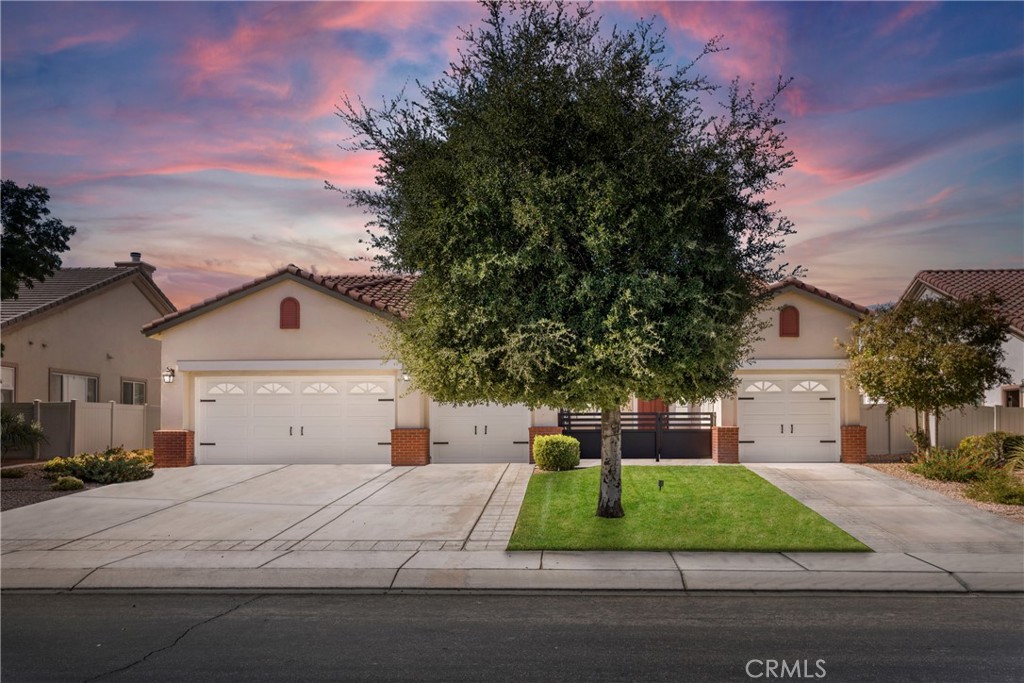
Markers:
point(67, 484)
point(556, 452)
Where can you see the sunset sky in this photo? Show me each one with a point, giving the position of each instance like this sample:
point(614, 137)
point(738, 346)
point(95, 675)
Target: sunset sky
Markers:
point(201, 133)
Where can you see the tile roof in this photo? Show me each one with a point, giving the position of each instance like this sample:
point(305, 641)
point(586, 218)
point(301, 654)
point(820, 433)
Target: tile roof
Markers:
point(64, 286)
point(800, 284)
point(386, 293)
point(1008, 285)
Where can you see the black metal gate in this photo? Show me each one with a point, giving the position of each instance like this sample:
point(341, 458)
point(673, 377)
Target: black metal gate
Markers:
point(645, 435)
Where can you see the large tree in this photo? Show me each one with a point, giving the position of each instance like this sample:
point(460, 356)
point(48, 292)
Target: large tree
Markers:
point(932, 355)
point(583, 229)
point(32, 241)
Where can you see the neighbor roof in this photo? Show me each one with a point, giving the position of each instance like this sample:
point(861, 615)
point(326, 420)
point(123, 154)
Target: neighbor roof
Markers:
point(1007, 284)
point(66, 285)
point(385, 293)
point(800, 284)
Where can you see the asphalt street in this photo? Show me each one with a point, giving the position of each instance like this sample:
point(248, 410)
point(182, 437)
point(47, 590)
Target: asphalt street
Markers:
point(466, 637)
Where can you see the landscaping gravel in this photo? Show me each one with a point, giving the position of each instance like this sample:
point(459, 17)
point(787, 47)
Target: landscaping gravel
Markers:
point(951, 489)
point(32, 488)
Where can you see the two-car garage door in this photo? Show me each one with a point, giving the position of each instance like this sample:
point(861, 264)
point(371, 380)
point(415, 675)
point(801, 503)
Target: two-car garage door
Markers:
point(789, 419)
point(292, 419)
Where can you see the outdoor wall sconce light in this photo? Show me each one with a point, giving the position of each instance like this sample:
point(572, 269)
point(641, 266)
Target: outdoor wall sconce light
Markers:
point(168, 375)
point(405, 376)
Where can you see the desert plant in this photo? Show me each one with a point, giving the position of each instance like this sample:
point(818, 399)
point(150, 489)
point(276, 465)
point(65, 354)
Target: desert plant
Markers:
point(67, 484)
point(115, 465)
point(948, 465)
point(18, 433)
point(1015, 458)
point(12, 473)
point(556, 452)
point(994, 448)
point(997, 487)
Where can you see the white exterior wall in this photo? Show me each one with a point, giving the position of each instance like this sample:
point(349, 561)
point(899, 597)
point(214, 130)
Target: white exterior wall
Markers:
point(814, 352)
point(248, 329)
point(99, 334)
point(1013, 352)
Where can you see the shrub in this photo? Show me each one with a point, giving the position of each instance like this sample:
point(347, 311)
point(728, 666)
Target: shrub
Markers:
point(948, 465)
point(919, 439)
point(12, 473)
point(997, 487)
point(113, 466)
point(18, 433)
point(994, 448)
point(67, 484)
point(556, 453)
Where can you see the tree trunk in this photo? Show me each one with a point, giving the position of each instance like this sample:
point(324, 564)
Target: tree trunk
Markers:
point(610, 502)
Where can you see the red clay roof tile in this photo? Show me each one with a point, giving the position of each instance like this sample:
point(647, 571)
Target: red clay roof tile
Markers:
point(1008, 285)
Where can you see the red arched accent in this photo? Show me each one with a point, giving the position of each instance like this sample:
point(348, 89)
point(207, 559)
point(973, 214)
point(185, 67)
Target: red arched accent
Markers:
point(289, 314)
point(789, 322)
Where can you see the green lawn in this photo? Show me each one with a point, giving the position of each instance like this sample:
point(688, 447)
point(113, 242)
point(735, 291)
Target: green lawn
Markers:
point(699, 508)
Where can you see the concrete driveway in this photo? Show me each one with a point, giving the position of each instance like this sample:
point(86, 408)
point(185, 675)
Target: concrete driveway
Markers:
point(275, 507)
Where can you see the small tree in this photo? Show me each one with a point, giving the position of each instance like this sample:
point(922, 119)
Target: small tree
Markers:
point(17, 433)
point(31, 241)
point(584, 231)
point(931, 355)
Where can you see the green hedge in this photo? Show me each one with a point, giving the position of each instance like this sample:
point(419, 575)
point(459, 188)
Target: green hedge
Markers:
point(995, 449)
point(556, 453)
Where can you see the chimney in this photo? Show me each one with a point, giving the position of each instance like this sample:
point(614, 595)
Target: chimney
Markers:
point(136, 262)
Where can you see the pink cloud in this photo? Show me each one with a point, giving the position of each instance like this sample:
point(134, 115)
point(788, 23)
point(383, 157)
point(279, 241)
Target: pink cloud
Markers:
point(755, 33)
point(103, 35)
point(906, 14)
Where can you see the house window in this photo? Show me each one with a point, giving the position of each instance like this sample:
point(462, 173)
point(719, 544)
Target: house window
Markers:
point(789, 322)
point(1011, 397)
point(66, 386)
point(7, 384)
point(133, 392)
point(290, 314)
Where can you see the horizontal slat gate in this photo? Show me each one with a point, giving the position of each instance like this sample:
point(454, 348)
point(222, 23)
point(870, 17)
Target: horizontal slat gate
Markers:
point(645, 435)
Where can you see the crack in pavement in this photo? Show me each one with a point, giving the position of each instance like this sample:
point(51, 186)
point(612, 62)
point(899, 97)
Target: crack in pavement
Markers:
point(176, 640)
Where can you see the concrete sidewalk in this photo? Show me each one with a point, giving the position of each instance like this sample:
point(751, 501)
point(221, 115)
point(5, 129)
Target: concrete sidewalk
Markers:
point(425, 570)
point(445, 528)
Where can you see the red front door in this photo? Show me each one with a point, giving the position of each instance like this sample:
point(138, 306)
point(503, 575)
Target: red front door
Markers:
point(649, 405)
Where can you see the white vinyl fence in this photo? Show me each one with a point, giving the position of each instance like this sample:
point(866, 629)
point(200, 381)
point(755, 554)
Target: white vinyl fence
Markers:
point(889, 436)
point(78, 427)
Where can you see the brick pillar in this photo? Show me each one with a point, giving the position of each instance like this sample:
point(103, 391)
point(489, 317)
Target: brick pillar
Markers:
point(854, 444)
point(410, 447)
point(541, 431)
point(725, 444)
point(174, 448)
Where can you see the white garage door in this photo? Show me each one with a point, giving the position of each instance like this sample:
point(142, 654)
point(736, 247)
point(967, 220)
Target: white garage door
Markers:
point(484, 433)
point(789, 419)
point(291, 419)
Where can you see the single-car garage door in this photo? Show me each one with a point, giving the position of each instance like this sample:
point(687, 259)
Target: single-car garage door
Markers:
point(789, 419)
point(483, 433)
point(291, 419)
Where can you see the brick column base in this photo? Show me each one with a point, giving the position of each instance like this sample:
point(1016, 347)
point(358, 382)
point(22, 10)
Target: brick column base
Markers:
point(854, 444)
point(541, 431)
point(174, 448)
point(725, 445)
point(410, 447)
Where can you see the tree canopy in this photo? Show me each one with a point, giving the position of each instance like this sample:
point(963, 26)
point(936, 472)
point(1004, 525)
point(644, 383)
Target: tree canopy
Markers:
point(583, 229)
point(932, 355)
point(31, 242)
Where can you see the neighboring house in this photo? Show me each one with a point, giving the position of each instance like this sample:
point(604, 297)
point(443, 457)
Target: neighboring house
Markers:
point(288, 368)
point(1008, 285)
point(76, 336)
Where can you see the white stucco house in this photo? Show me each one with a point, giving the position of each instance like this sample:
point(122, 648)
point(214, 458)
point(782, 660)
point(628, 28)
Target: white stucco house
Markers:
point(288, 368)
point(75, 336)
point(1008, 285)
